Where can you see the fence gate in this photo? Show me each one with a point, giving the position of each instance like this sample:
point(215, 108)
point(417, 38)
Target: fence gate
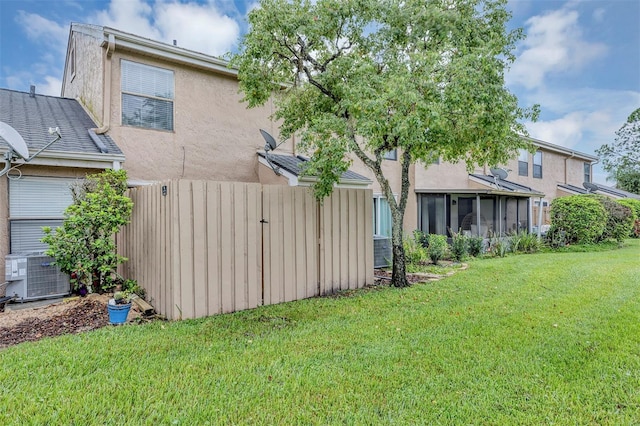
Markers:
point(201, 248)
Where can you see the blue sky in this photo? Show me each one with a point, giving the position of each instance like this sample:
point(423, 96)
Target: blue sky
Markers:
point(580, 60)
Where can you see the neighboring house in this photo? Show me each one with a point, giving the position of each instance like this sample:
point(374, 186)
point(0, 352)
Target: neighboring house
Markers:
point(35, 194)
point(178, 113)
point(479, 203)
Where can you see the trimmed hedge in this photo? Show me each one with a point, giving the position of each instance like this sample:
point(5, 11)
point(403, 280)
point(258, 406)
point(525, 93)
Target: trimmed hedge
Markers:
point(619, 219)
point(634, 205)
point(578, 219)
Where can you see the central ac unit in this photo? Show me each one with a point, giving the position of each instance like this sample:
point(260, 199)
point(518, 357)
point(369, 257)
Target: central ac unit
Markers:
point(382, 253)
point(34, 276)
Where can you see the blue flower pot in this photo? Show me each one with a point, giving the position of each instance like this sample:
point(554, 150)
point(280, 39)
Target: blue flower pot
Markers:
point(118, 313)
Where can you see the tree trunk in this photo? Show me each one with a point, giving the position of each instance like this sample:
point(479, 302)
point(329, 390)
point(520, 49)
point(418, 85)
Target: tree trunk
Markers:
point(399, 274)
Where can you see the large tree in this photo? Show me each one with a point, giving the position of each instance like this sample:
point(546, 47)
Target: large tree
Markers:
point(621, 159)
point(363, 77)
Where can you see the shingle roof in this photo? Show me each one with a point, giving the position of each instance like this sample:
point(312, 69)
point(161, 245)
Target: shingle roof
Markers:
point(601, 188)
point(32, 117)
point(293, 164)
point(505, 185)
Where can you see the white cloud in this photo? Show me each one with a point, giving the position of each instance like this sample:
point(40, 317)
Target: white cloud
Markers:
point(200, 27)
point(43, 30)
point(134, 16)
point(598, 14)
point(554, 44)
point(197, 27)
point(52, 86)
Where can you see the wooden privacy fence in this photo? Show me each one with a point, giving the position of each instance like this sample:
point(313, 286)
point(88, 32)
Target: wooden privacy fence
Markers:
point(200, 248)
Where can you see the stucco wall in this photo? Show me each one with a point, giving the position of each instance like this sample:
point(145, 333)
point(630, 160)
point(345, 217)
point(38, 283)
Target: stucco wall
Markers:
point(86, 85)
point(215, 135)
point(557, 168)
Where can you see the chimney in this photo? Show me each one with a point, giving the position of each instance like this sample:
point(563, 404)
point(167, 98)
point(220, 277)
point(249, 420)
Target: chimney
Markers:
point(32, 91)
point(175, 42)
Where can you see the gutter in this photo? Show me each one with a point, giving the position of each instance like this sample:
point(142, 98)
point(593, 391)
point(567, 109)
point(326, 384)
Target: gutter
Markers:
point(573, 154)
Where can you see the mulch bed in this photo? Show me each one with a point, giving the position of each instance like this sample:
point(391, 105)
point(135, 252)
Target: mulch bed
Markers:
point(89, 315)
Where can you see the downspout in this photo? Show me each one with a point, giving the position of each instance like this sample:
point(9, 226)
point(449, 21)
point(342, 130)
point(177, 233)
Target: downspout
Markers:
point(565, 166)
point(106, 88)
point(540, 217)
point(478, 215)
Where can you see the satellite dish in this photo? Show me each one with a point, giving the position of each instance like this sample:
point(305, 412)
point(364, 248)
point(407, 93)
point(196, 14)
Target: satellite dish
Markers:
point(590, 187)
point(15, 141)
point(271, 142)
point(498, 173)
point(18, 147)
point(270, 146)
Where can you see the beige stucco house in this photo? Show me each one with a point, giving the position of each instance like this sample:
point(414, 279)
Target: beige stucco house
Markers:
point(176, 113)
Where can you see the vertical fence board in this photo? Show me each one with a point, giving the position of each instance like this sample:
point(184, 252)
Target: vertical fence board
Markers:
point(200, 258)
point(214, 293)
point(240, 249)
point(226, 246)
point(254, 245)
point(186, 234)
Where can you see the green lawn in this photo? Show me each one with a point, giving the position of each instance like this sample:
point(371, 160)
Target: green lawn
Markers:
point(550, 338)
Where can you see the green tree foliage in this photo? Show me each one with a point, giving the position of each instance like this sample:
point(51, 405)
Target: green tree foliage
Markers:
point(358, 78)
point(621, 159)
point(84, 246)
point(580, 219)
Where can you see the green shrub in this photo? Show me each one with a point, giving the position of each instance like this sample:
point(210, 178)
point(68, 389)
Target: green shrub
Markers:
point(459, 246)
point(414, 251)
point(524, 242)
point(530, 243)
point(476, 245)
point(437, 249)
point(84, 246)
point(498, 246)
point(634, 205)
point(515, 241)
point(619, 219)
point(577, 219)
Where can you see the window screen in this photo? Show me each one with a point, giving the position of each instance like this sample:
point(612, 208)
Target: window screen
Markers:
point(523, 163)
point(35, 202)
point(587, 172)
point(147, 96)
point(537, 164)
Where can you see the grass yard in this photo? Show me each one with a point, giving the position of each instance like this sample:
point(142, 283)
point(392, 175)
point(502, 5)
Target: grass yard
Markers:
point(550, 338)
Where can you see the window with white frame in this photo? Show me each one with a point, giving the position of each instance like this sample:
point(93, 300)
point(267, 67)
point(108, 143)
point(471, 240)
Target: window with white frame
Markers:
point(381, 216)
point(587, 172)
point(35, 202)
point(147, 96)
point(537, 165)
point(391, 155)
point(523, 163)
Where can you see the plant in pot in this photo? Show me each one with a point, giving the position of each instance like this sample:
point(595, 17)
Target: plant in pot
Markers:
point(84, 246)
point(119, 307)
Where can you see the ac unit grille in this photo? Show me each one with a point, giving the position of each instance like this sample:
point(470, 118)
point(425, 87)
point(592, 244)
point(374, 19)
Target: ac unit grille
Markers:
point(44, 278)
point(382, 253)
point(34, 276)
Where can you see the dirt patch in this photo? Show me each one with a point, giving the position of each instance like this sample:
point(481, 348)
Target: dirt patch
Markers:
point(70, 317)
